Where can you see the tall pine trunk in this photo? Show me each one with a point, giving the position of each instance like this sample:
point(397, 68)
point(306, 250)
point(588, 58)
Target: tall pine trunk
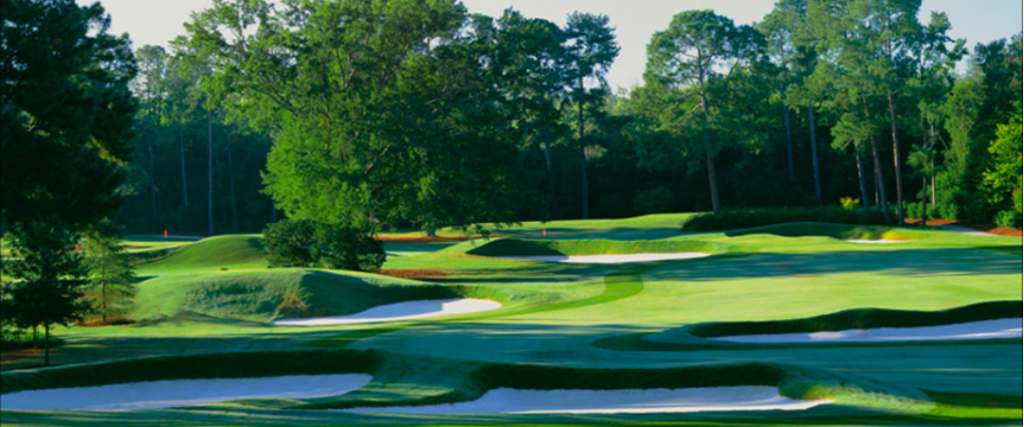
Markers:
point(789, 142)
point(896, 158)
point(583, 161)
point(184, 181)
point(46, 345)
point(716, 206)
point(860, 177)
point(924, 196)
point(152, 177)
point(548, 172)
point(231, 185)
point(879, 177)
point(814, 152)
point(933, 165)
point(209, 134)
point(103, 287)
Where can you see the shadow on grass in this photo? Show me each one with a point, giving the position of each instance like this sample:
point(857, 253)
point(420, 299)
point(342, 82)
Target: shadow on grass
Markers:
point(902, 262)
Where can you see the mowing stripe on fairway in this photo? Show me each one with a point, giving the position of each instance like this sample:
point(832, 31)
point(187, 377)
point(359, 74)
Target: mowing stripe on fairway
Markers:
point(619, 284)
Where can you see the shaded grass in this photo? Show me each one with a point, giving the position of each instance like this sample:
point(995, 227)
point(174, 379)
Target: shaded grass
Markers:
point(864, 318)
point(219, 365)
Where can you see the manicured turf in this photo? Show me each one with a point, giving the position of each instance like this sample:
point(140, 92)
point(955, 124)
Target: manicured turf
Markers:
point(204, 309)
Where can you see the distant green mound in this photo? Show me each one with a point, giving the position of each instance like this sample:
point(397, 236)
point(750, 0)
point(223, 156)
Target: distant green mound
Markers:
point(234, 251)
point(515, 247)
point(265, 295)
point(836, 231)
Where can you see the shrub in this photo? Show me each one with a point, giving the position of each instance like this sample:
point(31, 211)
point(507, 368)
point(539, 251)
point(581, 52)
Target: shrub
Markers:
point(346, 248)
point(655, 200)
point(912, 210)
point(303, 243)
point(850, 204)
point(950, 211)
point(761, 217)
point(1008, 219)
point(290, 243)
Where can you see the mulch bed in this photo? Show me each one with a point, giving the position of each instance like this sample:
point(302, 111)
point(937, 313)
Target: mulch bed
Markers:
point(988, 228)
point(992, 229)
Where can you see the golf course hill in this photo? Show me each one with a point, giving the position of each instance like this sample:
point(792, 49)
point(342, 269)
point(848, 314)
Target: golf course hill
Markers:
point(228, 277)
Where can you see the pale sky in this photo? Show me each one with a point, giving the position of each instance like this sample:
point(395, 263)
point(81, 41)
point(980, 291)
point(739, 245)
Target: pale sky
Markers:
point(158, 21)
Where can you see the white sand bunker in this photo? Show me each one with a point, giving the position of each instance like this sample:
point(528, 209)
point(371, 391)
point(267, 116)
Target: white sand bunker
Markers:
point(179, 393)
point(514, 401)
point(883, 242)
point(609, 259)
point(400, 311)
point(988, 329)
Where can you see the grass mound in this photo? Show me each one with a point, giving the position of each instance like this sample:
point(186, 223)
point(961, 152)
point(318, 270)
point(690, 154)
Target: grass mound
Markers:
point(235, 251)
point(265, 295)
point(836, 231)
point(516, 247)
point(731, 220)
point(865, 318)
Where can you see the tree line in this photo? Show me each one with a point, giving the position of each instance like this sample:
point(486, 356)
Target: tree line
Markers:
point(354, 116)
point(437, 117)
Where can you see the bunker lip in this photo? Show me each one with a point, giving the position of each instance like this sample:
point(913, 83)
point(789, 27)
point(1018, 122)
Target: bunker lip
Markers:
point(610, 259)
point(181, 393)
point(399, 311)
point(987, 329)
point(631, 401)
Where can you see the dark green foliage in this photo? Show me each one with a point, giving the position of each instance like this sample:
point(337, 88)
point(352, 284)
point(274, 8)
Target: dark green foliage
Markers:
point(656, 200)
point(290, 243)
point(768, 216)
point(66, 112)
point(112, 277)
point(1009, 219)
point(865, 318)
point(305, 243)
point(346, 248)
point(51, 276)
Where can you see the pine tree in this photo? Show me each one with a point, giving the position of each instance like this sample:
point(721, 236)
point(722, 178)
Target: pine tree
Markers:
point(112, 278)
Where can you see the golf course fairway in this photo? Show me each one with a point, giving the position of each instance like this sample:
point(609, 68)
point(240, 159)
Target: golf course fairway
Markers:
point(798, 324)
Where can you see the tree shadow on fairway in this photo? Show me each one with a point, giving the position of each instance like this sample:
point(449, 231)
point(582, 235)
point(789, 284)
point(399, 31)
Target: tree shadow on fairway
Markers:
point(120, 348)
point(903, 263)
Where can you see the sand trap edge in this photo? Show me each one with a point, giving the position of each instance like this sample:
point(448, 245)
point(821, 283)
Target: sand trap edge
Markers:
point(406, 310)
point(628, 401)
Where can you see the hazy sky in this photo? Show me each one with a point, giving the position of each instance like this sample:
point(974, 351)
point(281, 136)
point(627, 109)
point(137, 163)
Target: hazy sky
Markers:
point(157, 21)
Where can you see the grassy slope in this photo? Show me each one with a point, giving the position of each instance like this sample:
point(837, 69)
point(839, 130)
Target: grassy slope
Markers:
point(562, 309)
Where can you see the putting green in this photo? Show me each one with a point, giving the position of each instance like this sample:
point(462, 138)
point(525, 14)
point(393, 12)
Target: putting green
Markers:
point(205, 307)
